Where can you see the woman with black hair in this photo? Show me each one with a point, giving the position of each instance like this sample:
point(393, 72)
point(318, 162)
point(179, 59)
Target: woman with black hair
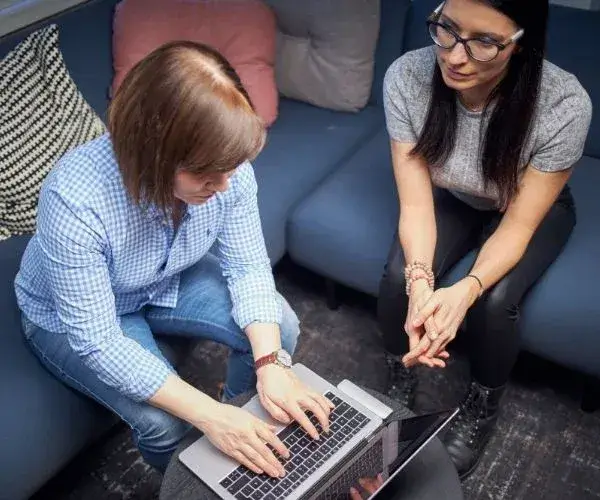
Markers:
point(484, 134)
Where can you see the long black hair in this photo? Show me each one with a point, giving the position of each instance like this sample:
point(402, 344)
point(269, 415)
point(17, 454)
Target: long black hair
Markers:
point(515, 101)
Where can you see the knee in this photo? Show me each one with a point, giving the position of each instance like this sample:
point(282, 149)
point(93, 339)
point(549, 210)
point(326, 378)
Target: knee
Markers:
point(158, 434)
point(497, 305)
point(290, 327)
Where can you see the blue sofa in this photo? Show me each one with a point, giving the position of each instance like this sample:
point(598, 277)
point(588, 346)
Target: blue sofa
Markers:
point(327, 198)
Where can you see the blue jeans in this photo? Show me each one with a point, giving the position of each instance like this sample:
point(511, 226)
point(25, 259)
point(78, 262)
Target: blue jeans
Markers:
point(203, 311)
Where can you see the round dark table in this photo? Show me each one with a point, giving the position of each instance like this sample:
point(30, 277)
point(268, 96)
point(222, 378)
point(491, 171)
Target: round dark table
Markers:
point(429, 476)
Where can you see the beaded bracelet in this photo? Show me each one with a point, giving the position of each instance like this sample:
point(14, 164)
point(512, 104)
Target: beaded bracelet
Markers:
point(416, 271)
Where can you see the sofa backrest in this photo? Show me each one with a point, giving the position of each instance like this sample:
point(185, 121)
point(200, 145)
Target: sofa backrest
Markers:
point(86, 44)
point(569, 47)
point(394, 17)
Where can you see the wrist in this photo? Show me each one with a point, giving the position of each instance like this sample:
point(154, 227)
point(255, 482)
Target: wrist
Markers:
point(418, 286)
point(473, 289)
point(206, 411)
point(269, 370)
point(418, 271)
point(279, 359)
point(264, 338)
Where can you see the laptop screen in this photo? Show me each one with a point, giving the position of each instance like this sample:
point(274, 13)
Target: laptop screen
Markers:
point(413, 434)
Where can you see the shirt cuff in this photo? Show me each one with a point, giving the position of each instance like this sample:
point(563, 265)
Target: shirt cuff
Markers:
point(130, 368)
point(262, 309)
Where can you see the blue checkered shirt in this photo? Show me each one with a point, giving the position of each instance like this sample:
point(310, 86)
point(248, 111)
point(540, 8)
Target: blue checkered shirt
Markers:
point(96, 256)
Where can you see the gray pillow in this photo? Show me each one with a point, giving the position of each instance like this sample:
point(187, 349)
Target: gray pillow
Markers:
point(326, 51)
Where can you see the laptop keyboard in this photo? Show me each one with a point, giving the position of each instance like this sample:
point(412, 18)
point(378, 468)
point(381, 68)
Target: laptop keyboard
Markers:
point(306, 455)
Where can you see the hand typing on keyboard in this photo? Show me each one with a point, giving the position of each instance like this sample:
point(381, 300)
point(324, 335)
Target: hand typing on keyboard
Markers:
point(251, 441)
point(306, 454)
point(242, 436)
point(286, 398)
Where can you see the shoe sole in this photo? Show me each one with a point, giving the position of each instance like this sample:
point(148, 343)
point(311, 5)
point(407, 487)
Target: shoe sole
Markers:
point(466, 474)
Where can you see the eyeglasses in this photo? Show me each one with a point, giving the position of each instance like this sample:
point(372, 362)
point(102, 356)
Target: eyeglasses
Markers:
point(479, 49)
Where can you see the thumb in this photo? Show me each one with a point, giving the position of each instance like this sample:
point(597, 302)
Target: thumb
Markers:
point(427, 310)
point(413, 339)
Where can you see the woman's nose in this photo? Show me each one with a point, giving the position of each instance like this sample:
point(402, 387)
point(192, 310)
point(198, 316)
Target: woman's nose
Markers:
point(221, 182)
point(458, 55)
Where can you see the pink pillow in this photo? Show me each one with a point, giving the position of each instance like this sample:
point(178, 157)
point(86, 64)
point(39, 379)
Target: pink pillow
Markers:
point(244, 31)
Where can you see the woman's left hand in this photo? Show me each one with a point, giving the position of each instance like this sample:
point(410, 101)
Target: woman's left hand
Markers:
point(286, 398)
point(448, 308)
point(369, 484)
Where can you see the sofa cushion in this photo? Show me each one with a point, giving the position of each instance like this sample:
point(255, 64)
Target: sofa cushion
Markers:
point(42, 116)
point(394, 14)
point(41, 409)
point(85, 36)
point(417, 34)
point(304, 145)
point(570, 48)
point(242, 30)
point(560, 315)
point(344, 229)
point(326, 51)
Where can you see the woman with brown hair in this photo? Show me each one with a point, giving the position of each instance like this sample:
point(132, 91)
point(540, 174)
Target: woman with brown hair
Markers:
point(125, 224)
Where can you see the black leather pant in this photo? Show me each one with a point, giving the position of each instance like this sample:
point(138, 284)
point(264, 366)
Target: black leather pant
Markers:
point(492, 322)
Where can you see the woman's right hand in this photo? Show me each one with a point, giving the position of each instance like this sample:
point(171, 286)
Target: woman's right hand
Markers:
point(418, 340)
point(244, 438)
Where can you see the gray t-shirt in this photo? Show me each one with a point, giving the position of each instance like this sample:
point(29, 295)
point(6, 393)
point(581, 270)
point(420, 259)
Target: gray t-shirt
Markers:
point(560, 125)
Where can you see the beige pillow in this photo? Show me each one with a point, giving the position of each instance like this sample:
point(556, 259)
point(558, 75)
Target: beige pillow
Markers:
point(326, 51)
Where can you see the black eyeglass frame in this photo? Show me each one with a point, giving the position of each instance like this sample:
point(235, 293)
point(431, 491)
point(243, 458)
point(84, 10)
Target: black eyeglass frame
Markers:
point(433, 21)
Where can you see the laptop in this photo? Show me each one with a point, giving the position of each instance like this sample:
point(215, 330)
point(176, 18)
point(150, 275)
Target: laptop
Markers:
point(366, 438)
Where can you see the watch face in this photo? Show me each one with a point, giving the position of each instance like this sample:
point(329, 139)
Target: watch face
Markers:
point(284, 358)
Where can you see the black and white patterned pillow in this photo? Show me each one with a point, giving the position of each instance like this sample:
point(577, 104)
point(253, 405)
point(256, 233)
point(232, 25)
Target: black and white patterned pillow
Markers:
point(42, 116)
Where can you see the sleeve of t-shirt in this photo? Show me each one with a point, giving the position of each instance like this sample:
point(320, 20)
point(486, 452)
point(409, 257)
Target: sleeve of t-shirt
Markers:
point(564, 129)
point(395, 96)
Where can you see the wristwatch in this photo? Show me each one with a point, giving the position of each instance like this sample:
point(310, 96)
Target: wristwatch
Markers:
point(280, 357)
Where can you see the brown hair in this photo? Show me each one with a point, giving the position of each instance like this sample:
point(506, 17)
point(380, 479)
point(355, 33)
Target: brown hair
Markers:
point(182, 107)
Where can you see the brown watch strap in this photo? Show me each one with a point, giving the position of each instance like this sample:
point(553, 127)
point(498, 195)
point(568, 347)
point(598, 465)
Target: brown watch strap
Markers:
point(265, 360)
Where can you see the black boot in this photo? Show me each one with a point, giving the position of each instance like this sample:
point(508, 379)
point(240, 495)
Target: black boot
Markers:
point(471, 430)
point(402, 381)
